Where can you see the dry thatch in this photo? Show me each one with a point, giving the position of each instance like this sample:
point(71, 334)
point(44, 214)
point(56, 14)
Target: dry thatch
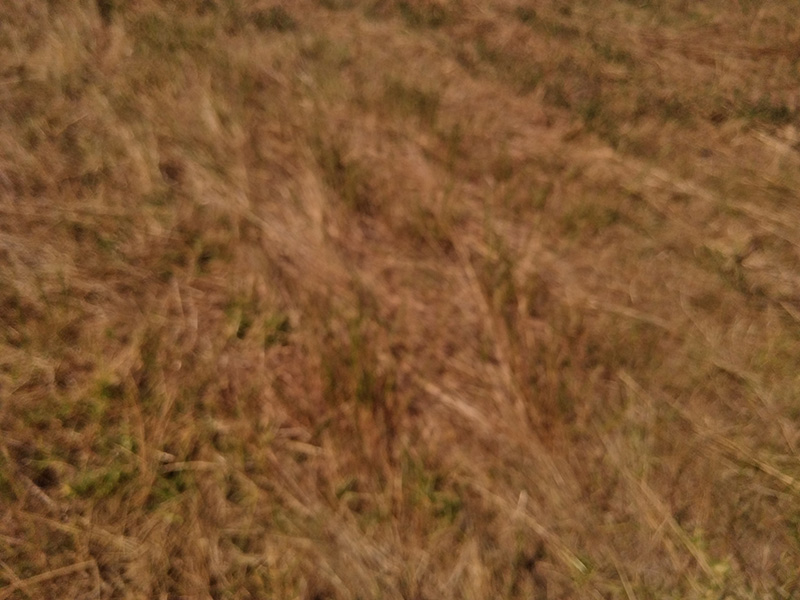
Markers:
point(399, 299)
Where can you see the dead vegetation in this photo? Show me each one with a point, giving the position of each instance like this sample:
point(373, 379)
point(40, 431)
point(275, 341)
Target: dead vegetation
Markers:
point(399, 299)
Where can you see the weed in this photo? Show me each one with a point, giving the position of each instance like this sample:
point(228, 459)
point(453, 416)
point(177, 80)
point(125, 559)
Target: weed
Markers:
point(102, 483)
point(168, 487)
point(242, 320)
point(430, 489)
point(277, 329)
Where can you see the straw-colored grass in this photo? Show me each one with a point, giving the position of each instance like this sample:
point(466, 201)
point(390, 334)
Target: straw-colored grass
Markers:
point(399, 299)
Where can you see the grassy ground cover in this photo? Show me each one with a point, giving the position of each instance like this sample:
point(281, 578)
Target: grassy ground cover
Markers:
point(399, 299)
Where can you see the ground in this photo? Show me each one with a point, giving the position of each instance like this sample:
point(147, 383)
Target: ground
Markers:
point(399, 299)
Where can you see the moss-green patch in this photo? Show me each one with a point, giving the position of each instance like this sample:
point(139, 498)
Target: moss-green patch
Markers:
point(169, 486)
point(348, 486)
point(430, 490)
point(250, 316)
point(44, 413)
point(103, 482)
point(277, 328)
point(241, 314)
point(88, 411)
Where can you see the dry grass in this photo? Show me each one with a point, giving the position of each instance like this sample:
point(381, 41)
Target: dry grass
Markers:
point(399, 299)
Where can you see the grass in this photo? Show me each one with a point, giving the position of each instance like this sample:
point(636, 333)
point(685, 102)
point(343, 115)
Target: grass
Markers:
point(382, 299)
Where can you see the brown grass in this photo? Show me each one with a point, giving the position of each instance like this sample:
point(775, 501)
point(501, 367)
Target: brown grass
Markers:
point(399, 299)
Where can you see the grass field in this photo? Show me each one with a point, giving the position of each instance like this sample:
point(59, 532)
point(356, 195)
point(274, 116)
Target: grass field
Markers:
point(338, 299)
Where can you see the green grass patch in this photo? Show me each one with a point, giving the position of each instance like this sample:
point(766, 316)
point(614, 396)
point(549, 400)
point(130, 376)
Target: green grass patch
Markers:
point(277, 328)
point(430, 490)
point(168, 487)
point(766, 110)
point(102, 483)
